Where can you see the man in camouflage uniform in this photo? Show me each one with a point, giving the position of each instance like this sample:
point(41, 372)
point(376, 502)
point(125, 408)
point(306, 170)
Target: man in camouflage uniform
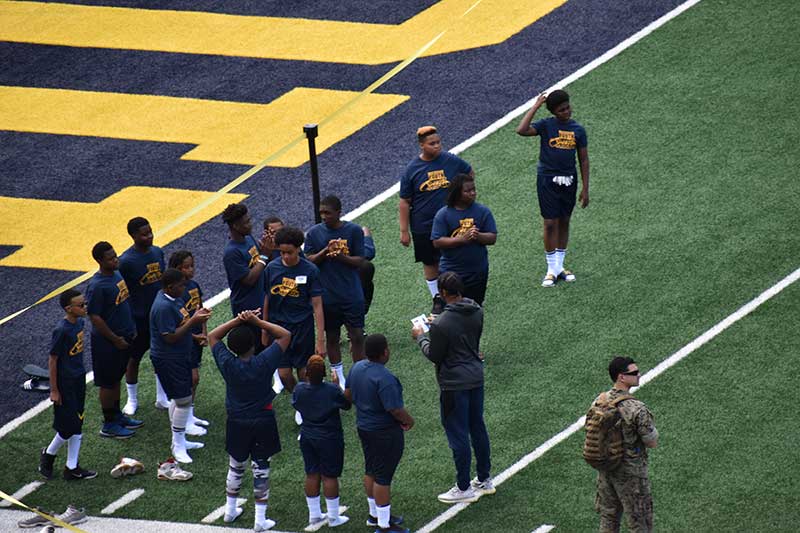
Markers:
point(627, 489)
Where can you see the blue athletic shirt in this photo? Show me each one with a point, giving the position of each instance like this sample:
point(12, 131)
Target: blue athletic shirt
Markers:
point(192, 299)
point(290, 291)
point(67, 346)
point(424, 184)
point(319, 404)
point(167, 315)
point(469, 259)
point(341, 283)
point(558, 146)
point(238, 259)
point(248, 393)
point(108, 299)
point(375, 391)
point(142, 273)
point(369, 248)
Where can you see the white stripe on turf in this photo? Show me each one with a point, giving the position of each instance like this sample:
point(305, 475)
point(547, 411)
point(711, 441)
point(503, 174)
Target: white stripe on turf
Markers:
point(318, 525)
point(544, 528)
point(217, 513)
point(122, 502)
point(22, 492)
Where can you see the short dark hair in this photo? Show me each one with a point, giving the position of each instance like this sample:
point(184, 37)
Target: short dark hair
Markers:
point(455, 188)
point(100, 249)
point(555, 99)
point(177, 258)
point(289, 235)
point(135, 224)
point(315, 369)
point(171, 276)
point(374, 346)
point(451, 282)
point(618, 365)
point(66, 297)
point(332, 202)
point(241, 340)
point(424, 132)
point(233, 213)
point(272, 219)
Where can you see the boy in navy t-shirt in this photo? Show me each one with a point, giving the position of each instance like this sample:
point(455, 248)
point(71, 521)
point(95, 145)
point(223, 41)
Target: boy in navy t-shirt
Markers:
point(423, 191)
point(337, 248)
point(251, 430)
point(141, 266)
point(321, 439)
point(67, 389)
point(462, 230)
point(556, 177)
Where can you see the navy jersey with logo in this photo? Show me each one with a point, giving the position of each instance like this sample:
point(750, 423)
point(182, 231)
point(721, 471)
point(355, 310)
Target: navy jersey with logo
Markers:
point(238, 259)
point(192, 300)
point(319, 404)
point(108, 298)
point(375, 392)
point(424, 184)
point(142, 273)
point(67, 346)
point(247, 390)
point(471, 258)
point(167, 315)
point(340, 282)
point(558, 146)
point(290, 291)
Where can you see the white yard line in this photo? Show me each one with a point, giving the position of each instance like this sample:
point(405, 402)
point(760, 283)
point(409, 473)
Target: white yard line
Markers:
point(318, 525)
point(544, 528)
point(22, 492)
point(113, 507)
point(217, 513)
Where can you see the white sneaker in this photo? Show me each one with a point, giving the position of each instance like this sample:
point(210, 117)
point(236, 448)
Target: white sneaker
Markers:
point(339, 521)
point(162, 406)
point(194, 445)
point(483, 487)
point(199, 422)
point(169, 470)
point(265, 525)
point(181, 455)
point(298, 418)
point(195, 431)
point(549, 280)
point(130, 408)
point(456, 495)
point(228, 518)
point(127, 467)
point(567, 276)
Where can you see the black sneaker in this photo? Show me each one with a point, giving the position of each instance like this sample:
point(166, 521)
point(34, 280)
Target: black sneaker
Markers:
point(438, 305)
point(46, 464)
point(393, 520)
point(78, 473)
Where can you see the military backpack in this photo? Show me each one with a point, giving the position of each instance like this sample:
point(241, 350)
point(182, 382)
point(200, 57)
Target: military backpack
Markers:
point(603, 446)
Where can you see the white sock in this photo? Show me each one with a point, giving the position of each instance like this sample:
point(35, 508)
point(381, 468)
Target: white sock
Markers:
point(433, 286)
point(133, 393)
point(339, 369)
point(261, 512)
point(277, 384)
point(55, 444)
point(230, 505)
point(171, 411)
point(73, 449)
point(552, 261)
point(161, 396)
point(384, 513)
point(180, 416)
point(560, 259)
point(372, 507)
point(332, 505)
point(314, 510)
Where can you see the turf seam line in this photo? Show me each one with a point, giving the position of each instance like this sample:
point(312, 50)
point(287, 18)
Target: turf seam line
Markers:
point(656, 371)
point(122, 502)
point(22, 492)
point(544, 528)
point(318, 525)
point(217, 513)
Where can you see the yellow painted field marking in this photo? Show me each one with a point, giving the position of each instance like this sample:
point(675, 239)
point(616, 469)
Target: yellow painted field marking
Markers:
point(224, 132)
point(60, 235)
point(491, 22)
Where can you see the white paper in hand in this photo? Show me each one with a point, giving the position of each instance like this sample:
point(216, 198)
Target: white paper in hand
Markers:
point(422, 322)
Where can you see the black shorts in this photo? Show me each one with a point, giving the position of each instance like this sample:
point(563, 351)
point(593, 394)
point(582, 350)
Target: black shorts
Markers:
point(336, 316)
point(424, 250)
point(475, 287)
point(382, 452)
point(108, 363)
point(256, 438)
point(141, 343)
point(555, 201)
point(68, 417)
point(175, 376)
point(323, 456)
point(302, 345)
point(197, 355)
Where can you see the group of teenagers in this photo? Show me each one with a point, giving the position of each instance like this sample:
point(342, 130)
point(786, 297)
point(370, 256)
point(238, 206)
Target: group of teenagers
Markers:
point(291, 293)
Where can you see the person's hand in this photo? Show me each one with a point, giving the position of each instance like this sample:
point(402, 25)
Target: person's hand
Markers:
point(416, 331)
point(200, 339)
point(366, 231)
point(408, 425)
point(584, 198)
point(264, 240)
point(334, 377)
point(332, 250)
point(201, 315)
point(542, 98)
point(55, 396)
point(405, 238)
point(120, 343)
point(472, 234)
point(249, 316)
point(320, 349)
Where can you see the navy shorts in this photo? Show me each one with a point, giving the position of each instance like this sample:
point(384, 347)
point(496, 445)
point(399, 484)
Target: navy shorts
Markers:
point(108, 363)
point(382, 452)
point(323, 456)
point(337, 315)
point(141, 343)
point(555, 201)
point(475, 287)
point(424, 250)
point(256, 438)
point(175, 376)
point(197, 355)
point(68, 417)
point(302, 345)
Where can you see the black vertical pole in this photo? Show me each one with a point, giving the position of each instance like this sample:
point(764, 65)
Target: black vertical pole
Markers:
point(311, 133)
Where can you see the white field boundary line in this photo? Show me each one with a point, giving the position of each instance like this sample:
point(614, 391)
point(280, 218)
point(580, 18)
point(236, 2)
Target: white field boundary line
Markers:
point(656, 371)
point(24, 491)
point(122, 502)
point(318, 525)
point(217, 513)
point(544, 528)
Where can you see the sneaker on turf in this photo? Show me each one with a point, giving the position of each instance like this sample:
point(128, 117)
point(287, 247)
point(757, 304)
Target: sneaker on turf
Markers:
point(36, 520)
point(567, 276)
point(161, 406)
point(73, 516)
point(549, 280)
point(46, 464)
point(127, 467)
point(456, 495)
point(393, 528)
point(48, 529)
point(78, 473)
point(128, 422)
point(130, 408)
point(264, 526)
point(195, 430)
point(393, 520)
point(483, 487)
point(114, 430)
point(341, 519)
point(170, 470)
point(228, 518)
point(199, 422)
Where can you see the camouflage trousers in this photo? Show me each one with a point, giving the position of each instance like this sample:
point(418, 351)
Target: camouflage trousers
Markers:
point(619, 493)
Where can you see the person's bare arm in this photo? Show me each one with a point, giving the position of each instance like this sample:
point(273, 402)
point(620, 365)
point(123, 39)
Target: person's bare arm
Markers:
point(319, 323)
point(524, 127)
point(450, 242)
point(218, 333)
point(255, 271)
point(401, 415)
point(102, 328)
point(403, 212)
point(280, 335)
point(200, 316)
point(583, 161)
point(52, 367)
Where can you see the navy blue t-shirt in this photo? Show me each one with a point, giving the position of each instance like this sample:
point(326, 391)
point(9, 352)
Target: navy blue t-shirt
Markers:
point(471, 258)
point(319, 404)
point(248, 393)
point(239, 258)
point(424, 184)
point(142, 273)
point(67, 346)
point(192, 300)
point(167, 315)
point(558, 146)
point(341, 283)
point(107, 297)
point(290, 291)
point(375, 392)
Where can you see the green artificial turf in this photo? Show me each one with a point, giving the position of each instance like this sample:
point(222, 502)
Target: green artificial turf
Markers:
point(693, 213)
